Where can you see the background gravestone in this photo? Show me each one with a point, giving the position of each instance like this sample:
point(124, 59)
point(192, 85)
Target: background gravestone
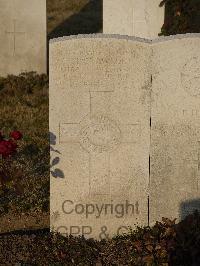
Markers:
point(141, 18)
point(100, 113)
point(175, 131)
point(22, 36)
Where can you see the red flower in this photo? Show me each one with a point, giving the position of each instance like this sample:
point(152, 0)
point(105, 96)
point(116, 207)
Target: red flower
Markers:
point(7, 148)
point(16, 135)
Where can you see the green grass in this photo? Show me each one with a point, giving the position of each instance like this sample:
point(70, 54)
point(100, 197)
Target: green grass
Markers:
point(24, 107)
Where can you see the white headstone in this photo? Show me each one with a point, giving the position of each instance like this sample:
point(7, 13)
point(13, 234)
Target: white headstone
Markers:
point(115, 102)
point(141, 18)
point(175, 131)
point(22, 36)
point(99, 113)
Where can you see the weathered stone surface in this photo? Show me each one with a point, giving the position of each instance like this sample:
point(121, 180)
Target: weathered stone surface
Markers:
point(22, 36)
point(100, 112)
point(175, 131)
point(103, 91)
point(141, 18)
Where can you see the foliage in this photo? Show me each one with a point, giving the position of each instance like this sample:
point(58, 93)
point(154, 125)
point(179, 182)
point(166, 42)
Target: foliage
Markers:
point(182, 16)
point(164, 244)
point(24, 105)
point(144, 246)
point(10, 176)
point(25, 83)
point(8, 147)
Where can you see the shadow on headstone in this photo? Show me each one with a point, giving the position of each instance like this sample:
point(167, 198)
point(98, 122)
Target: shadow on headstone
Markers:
point(88, 20)
point(55, 172)
point(189, 207)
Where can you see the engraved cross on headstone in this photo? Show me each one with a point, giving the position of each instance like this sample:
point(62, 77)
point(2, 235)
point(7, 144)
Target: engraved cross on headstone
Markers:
point(14, 34)
point(98, 135)
point(141, 18)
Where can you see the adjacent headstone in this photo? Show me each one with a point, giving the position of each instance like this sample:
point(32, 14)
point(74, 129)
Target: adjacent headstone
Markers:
point(175, 131)
point(22, 36)
point(99, 117)
point(141, 18)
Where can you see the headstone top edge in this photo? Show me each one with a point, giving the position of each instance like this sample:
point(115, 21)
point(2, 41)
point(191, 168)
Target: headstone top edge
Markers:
point(99, 35)
point(125, 37)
